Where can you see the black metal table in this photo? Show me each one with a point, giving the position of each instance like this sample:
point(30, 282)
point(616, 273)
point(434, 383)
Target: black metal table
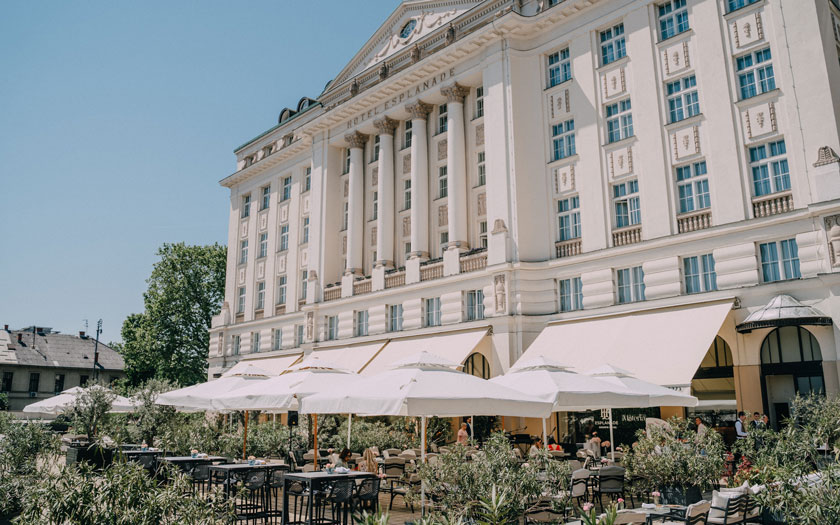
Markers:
point(185, 463)
point(314, 481)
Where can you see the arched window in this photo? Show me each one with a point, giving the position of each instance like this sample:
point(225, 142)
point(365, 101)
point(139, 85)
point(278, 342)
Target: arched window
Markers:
point(790, 344)
point(719, 354)
point(477, 365)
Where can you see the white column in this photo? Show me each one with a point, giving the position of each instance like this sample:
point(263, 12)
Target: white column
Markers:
point(356, 202)
point(419, 112)
point(456, 166)
point(385, 189)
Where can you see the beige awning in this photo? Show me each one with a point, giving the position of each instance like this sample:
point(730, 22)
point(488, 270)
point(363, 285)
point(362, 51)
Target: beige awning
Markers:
point(453, 346)
point(276, 365)
point(663, 346)
point(352, 358)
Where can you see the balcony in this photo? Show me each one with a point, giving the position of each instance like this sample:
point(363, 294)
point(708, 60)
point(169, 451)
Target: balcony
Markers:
point(472, 262)
point(567, 248)
point(362, 286)
point(331, 294)
point(628, 235)
point(693, 221)
point(394, 279)
point(775, 204)
point(431, 270)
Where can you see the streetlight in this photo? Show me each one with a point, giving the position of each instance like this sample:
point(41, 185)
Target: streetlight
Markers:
point(96, 351)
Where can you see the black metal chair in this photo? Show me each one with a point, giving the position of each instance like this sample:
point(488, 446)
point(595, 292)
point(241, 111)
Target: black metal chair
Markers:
point(339, 498)
point(200, 477)
point(252, 505)
point(367, 495)
point(610, 482)
point(401, 487)
point(274, 510)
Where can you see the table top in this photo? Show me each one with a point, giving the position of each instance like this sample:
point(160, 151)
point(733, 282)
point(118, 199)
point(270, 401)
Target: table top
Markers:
point(135, 452)
point(245, 466)
point(188, 459)
point(321, 475)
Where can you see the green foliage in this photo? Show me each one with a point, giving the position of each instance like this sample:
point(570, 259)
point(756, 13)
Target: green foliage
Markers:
point(495, 509)
point(458, 485)
point(4, 401)
point(590, 517)
point(89, 408)
point(124, 494)
point(150, 417)
point(169, 340)
point(23, 449)
point(368, 432)
point(366, 518)
point(676, 456)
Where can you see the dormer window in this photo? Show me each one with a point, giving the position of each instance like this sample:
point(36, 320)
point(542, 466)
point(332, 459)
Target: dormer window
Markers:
point(409, 26)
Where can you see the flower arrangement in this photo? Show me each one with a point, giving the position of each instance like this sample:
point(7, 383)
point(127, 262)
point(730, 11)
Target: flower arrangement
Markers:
point(656, 495)
point(194, 452)
point(590, 517)
point(330, 467)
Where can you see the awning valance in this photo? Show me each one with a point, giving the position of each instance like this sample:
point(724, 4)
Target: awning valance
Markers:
point(275, 365)
point(783, 310)
point(352, 358)
point(454, 346)
point(663, 346)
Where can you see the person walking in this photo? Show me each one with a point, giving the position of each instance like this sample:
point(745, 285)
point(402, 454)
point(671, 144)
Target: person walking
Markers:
point(463, 435)
point(740, 429)
point(701, 427)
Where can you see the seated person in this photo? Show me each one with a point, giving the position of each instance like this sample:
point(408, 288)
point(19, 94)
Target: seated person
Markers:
point(535, 447)
point(552, 445)
point(344, 458)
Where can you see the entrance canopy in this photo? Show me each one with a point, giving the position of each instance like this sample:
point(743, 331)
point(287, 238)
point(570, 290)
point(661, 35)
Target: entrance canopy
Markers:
point(454, 347)
point(783, 310)
point(663, 346)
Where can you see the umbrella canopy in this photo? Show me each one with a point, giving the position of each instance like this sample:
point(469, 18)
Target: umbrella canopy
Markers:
point(425, 385)
point(55, 405)
point(282, 393)
point(658, 395)
point(201, 396)
point(556, 383)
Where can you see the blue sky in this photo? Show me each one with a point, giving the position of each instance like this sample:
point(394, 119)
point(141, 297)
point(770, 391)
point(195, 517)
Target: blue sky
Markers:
point(118, 119)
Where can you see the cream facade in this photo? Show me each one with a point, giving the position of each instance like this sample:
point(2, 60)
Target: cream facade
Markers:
point(502, 165)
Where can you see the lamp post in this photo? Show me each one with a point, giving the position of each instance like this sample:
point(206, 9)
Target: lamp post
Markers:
point(96, 351)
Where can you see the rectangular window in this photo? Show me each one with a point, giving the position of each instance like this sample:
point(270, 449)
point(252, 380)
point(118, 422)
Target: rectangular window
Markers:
point(482, 234)
point(34, 381)
point(243, 251)
point(631, 285)
point(769, 166)
point(303, 278)
point(432, 312)
point(700, 273)
point(304, 238)
point(673, 18)
point(260, 295)
point(738, 4)
point(407, 194)
point(776, 268)
point(395, 317)
point(375, 148)
point(475, 305)
point(59, 384)
point(240, 304)
point(263, 245)
point(83, 380)
point(563, 140)
point(281, 290)
point(346, 165)
point(479, 101)
point(571, 294)
point(255, 342)
point(612, 44)
point(407, 247)
point(755, 73)
point(346, 218)
point(284, 237)
point(619, 121)
point(444, 241)
point(407, 134)
point(626, 204)
point(332, 328)
point(235, 343)
point(682, 99)
point(246, 206)
point(266, 198)
point(443, 183)
point(307, 179)
point(361, 328)
point(287, 189)
point(375, 205)
point(693, 187)
point(299, 334)
point(7, 382)
point(443, 124)
point(559, 67)
point(277, 339)
point(568, 218)
point(482, 169)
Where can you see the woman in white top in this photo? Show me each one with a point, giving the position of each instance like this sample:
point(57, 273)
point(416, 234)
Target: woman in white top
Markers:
point(535, 447)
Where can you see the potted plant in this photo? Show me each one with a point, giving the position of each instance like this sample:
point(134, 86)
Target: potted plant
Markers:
point(87, 412)
point(676, 461)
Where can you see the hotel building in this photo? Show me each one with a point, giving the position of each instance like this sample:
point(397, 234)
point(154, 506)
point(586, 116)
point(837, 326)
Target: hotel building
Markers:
point(650, 184)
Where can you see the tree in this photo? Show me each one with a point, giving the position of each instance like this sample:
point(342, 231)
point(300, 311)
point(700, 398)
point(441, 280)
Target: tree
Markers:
point(89, 409)
point(169, 340)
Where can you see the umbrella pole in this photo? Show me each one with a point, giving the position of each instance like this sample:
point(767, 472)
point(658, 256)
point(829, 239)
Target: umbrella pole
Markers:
point(245, 437)
point(315, 435)
point(472, 427)
point(349, 427)
point(545, 443)
point(612, 441)
point(423, 461)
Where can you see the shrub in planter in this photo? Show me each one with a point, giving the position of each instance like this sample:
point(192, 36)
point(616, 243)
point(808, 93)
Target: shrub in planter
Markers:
point(89, 409)
point(676, 461)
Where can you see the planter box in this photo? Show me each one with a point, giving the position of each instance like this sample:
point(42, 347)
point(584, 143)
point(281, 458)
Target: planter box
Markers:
point(680, 495)
point(97, 456)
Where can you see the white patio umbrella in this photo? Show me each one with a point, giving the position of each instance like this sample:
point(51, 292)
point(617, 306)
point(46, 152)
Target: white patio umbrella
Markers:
point(657, 395)
point(568, 391)
point(425, 385)
point(55, 405)
point(200, 397)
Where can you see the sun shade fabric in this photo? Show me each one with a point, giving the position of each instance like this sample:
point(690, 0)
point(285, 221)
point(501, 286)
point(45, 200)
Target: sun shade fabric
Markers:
point(455, 347)
point(566, 390)
point(201, 396)
point(273, 366)
point(658, 395)
point(784, 310)
point(352, 358)
point(662, 346)
point(56, 405)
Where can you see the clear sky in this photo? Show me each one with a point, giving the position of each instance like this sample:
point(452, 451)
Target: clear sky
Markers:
point(118, 119)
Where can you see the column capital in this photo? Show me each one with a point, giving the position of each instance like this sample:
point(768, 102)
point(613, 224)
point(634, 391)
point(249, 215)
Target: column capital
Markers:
point(385, 126)
point(418, 110)
point(455, 92)
point(356, 139)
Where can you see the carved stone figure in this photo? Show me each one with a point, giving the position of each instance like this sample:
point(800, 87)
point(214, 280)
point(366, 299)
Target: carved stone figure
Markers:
point(415, 54)
point(354, 88)
point(310, 326)
point(450, 34)
point(832, 225)
point(499, 291)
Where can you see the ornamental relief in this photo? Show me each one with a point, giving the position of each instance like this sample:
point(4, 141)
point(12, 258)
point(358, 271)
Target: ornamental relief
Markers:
point(260, 269)
point(559, 105)
point(263, 221)
point(243, 229)
point(441, 149)
point(306, 204)
point(242, 276)
point(479, 135)
point(346, 187)
point(563, 179)
point(406, 226)
point(304, 257)
point(343, 245)
point(374, 177)
point(747, 30)
point(676, 58)
point(481, 204)
point(621, 162)
point(373, 236)
point(614, 83)
point(832, 228)
point(284, 214)
point(760, 120)
point(281, 263)
point(407, 163)
point(443, 215)
point(685, 143)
